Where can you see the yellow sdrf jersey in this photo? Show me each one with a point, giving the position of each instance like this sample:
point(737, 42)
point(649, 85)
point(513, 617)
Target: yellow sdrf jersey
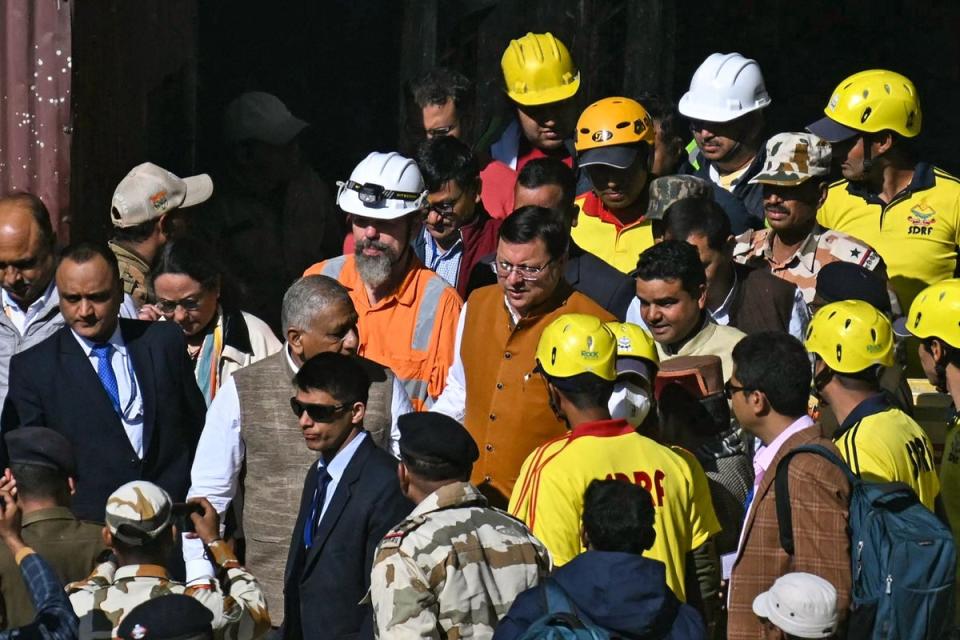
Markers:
point(916, 233)
point(597, 233)
point(548, 495)
point(883, 444)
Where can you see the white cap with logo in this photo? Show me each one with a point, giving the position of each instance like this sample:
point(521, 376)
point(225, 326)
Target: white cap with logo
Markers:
point(803, 605)
point(149, 191)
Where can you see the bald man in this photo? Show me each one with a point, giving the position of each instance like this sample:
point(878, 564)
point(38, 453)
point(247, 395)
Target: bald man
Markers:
point(31, 309)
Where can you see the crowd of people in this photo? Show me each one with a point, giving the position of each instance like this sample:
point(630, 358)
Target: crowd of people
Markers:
point(639, 371)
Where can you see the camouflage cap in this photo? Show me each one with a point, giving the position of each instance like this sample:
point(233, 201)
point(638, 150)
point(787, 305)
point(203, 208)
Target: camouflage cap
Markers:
point(793, 158)
point(138, 512)
point(669, 189)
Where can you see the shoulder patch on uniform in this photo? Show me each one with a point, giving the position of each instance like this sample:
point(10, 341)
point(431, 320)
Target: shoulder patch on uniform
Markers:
point(395, 536)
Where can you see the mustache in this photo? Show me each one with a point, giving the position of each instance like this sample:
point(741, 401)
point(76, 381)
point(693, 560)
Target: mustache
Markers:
point(776, 209)
point(371, 244)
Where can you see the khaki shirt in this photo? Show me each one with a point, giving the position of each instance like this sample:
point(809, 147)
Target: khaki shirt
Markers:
point(70, 546)
point(133, 274)
point(452, 568)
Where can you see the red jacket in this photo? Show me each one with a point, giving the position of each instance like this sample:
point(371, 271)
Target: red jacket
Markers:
point(479, 239)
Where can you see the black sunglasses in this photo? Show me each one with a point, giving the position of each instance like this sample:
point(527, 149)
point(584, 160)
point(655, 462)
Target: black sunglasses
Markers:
point(729, 389)
point(318, 412)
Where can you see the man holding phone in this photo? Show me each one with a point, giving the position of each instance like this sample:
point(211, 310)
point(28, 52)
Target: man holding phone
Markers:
point(140, 530)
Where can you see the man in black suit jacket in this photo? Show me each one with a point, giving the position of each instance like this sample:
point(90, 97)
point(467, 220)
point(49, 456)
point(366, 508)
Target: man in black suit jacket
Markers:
point(123, 392)
point(351, 499)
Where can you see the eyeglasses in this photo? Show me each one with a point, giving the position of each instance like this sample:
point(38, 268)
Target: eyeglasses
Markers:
point(167, 307)
point(438, 132)
point(729, 389)
point(318, 412)
point(444, 209)
point(503, 269)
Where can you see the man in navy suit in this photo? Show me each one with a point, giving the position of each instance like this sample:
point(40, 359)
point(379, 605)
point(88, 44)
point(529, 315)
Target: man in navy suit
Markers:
point(351, 499)
point(122, 391)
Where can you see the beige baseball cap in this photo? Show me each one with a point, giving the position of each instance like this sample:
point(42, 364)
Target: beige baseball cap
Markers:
point(256, 115)
point(794, 158)
point(149, 191)
point(138, 511)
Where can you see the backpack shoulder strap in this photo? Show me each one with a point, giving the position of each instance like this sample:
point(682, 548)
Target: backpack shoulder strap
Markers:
point(782, 486)
point(554, 598)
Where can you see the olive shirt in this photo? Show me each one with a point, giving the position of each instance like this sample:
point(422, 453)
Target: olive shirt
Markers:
point(133, 274)
point(69, 545)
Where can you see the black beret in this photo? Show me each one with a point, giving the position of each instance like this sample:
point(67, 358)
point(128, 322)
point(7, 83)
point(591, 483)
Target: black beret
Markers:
point(435, 437)
point(849, 281)
point(42, 447)
point(170, 616)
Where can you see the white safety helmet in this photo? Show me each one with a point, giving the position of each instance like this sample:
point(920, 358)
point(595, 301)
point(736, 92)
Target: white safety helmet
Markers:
point(384, 186)
point(725, 87)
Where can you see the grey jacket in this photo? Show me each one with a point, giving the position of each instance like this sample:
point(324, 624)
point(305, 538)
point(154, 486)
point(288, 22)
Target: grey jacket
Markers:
point(47, 321)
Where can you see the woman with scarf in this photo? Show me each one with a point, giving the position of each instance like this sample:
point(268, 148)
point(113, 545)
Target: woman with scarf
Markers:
point(187, 281)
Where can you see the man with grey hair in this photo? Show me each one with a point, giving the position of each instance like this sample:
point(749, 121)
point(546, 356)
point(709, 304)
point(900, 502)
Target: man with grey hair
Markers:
point(249, 423)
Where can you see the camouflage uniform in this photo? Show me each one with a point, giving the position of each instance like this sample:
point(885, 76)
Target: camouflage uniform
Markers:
point(792, 159)
point(452, 568)
point(133, 274)
point(108, 593)
point(821, 247)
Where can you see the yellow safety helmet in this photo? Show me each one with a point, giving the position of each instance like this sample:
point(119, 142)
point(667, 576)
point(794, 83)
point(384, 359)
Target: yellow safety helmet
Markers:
point(538, 69)
point(577, 343)
point(870, 101)
point(613, 121)
point(935, 313)
point(634, 342)
point(851, 336)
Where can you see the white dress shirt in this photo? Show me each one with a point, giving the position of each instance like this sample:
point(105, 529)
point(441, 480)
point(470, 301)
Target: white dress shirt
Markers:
point(221, 451)
point(453, 400)
point(335, 468)
point(21, 319)
point(131, 400)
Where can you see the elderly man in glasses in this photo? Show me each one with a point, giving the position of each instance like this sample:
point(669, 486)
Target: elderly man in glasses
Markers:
point(491, 388)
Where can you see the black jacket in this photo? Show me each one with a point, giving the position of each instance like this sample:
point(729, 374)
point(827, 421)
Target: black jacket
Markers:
point(323, 585)
point(54, 385)
point(744, 206)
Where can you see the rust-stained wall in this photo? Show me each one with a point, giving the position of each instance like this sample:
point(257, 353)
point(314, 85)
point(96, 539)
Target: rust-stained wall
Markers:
point(35, 101)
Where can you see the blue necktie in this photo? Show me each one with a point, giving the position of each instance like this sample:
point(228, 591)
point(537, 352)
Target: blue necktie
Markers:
point(105, 372)
point(319, 495)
